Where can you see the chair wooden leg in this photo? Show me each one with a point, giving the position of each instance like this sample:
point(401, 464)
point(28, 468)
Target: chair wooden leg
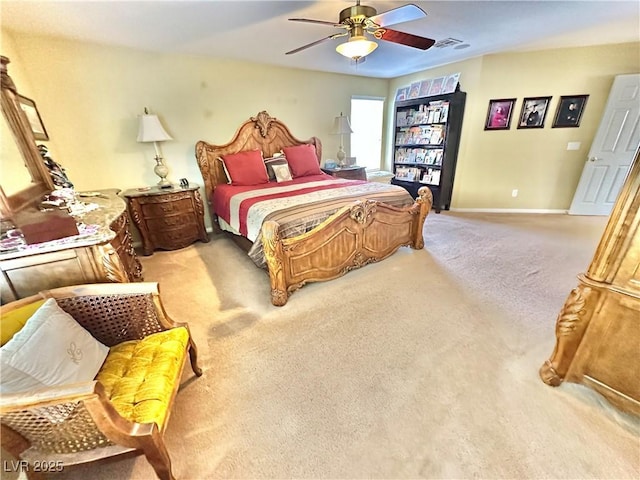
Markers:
point(15, 444)
point(157, 455)
point(193, 357)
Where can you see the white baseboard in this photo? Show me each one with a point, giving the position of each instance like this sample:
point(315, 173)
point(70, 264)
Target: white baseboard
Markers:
point(510, 210)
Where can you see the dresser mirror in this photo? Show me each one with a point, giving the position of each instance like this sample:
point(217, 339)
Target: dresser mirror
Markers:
point(25, 178)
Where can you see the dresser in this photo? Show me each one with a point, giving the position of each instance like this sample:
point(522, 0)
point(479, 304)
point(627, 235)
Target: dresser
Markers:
point(598, 328)
point(167, 219)
point(350, 173)
point(101, 252)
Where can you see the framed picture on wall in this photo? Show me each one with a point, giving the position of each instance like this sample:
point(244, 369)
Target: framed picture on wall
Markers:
point(499, 114)
point(569, 111)
point(29, 108)
point(534, 111)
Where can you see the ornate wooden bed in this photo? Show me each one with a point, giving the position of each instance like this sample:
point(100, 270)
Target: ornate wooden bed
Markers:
point(364, 232)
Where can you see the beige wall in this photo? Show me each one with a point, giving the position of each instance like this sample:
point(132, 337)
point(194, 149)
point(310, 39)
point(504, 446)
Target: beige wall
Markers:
point(535, 161)
point(90, 96)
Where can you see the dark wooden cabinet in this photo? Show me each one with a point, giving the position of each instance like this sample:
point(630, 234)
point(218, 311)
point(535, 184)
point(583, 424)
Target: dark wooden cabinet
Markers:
point(426, 141)
point(167, 219)
point(350, 173)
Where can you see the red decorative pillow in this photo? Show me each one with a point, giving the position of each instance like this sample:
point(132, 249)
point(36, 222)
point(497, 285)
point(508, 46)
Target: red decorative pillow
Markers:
point(245, 168)
point(302, 160)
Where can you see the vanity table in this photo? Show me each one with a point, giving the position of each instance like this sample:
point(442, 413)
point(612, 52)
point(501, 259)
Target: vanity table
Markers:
point(102, 252)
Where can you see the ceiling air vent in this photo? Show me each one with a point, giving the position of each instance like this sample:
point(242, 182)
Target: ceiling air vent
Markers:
point(447, 42)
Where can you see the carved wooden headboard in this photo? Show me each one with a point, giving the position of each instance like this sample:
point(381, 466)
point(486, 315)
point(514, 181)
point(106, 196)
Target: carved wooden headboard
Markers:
point(262, 132)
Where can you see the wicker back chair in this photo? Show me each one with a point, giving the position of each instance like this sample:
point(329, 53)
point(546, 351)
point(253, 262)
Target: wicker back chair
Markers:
point(74, 424)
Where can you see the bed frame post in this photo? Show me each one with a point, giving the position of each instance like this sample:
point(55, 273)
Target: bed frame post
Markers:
point(274, 254)
point(425, 200)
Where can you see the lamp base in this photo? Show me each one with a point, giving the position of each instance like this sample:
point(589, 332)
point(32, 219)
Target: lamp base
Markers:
point(162, 171)
point(341, 156)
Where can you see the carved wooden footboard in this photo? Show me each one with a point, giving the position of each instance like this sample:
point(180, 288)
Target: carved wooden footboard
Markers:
point(363, 233)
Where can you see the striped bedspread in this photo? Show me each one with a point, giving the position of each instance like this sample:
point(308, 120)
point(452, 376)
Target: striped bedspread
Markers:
point(298, 206)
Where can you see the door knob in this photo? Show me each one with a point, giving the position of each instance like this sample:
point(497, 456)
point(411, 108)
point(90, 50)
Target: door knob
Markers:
point(593, 159)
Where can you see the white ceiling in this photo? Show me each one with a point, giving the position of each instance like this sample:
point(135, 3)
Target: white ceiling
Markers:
point(259, 31)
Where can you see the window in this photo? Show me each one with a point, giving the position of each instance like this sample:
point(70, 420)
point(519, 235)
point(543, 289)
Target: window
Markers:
point(366, 123)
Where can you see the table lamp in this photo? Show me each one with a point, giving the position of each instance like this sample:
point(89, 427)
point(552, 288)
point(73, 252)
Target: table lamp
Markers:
point(341, 126)
point(151, 130)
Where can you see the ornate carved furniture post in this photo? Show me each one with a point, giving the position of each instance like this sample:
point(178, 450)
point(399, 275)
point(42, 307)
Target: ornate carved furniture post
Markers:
point(598, 329)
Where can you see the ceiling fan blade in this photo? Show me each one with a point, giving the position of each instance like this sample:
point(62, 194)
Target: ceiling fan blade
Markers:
point(405, 13)
point(321, 22)
point(304, 47)
point(403, 38)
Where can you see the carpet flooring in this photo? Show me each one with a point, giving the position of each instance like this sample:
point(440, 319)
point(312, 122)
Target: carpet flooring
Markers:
point(424, 365)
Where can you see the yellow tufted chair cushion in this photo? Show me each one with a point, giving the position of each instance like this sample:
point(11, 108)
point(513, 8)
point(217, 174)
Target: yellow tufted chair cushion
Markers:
point(139, 375)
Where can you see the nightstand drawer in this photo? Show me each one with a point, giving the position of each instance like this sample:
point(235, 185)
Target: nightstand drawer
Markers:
point(171, 221)
point(159, 208)
point(176, 238)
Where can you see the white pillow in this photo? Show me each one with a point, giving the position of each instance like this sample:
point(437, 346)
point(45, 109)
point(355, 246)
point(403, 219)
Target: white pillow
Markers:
point(282, 172)
point(52, 349)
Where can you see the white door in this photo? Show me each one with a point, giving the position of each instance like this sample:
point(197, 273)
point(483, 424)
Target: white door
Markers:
point(612, 150)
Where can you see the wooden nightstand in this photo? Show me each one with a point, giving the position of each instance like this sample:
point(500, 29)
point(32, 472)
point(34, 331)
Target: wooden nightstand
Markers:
point(167, 219)
point(350, 173)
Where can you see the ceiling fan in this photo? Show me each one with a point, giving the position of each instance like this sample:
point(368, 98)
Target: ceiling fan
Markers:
point(360, 21)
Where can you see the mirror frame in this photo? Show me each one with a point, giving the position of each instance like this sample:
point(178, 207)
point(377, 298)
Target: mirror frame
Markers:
point(42, 183)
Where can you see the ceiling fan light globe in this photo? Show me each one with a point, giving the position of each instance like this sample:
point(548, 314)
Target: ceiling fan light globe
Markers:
point(356, 47)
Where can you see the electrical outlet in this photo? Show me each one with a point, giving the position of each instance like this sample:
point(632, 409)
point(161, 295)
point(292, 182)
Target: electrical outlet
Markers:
point(514, 192)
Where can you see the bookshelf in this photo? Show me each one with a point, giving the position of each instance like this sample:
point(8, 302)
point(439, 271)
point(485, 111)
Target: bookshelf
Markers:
point(426, 140)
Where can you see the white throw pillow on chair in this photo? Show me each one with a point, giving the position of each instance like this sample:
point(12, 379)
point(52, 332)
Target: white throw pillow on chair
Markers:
point(52, 349)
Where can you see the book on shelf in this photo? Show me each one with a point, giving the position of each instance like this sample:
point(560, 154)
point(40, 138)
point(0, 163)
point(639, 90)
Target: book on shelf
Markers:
point(420, 135)
point(427, 156)
point(414, 90)
point(408, 174)
point(433, 156)
point(431, 177)
point(437, 135)
point(401, 155)
point(401, 118)
point(434, 112)
point(444, 112)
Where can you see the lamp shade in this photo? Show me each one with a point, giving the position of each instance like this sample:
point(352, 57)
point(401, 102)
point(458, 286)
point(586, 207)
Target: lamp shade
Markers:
point(151, 129)
point(341, 125)
point(356, 47)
